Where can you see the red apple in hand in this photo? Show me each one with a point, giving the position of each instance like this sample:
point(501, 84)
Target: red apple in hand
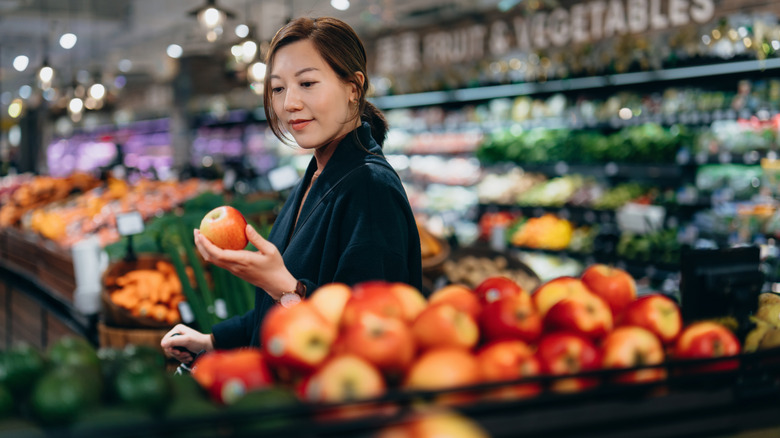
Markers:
point(225, 227)
point(459, 296)
point(583, 313)
point(628, 347)
point(330, 299)
point(385, 342)
point(442, 325)
point(614, 285)
point(562, 353)
point(546, 295)
point(296, 339)
point(494, 288)
point(707, 339)
point(511, 317)
point(655, 312)
point(507, 361)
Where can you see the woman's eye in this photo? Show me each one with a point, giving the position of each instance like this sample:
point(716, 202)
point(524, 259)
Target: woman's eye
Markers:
point(276, 90)
point(306, 84)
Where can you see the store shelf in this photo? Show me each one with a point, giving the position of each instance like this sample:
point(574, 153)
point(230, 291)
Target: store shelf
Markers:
point(563, 85)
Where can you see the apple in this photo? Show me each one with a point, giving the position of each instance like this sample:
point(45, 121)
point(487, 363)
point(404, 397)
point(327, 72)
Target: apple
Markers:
point(296, 339)
point(583, 313)
point(459, 296)
point(330, 299)
point(494, 288)
point(228, 375)
point(412, 300)
point(511, 317)
point(707, 339)
point(614, 285)
point(343, 378)
point(373, 296)
point(346, 378)
point(225, 227)
point(547, 294)
point(443, 325)
point(506, 361)
point(657, 313)
point(434, 423)
point(630, 346)
point(387, 343)
point(444, 368)
point(563, 353)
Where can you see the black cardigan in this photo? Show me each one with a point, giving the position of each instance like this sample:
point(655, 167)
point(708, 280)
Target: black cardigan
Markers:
point(356, 225)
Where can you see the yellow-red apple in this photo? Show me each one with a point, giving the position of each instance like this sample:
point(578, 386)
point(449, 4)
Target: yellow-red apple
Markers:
point(563, 353)
point(459, 296)
point(225, 227)
point(511, 317)
point(443, 325)
point(614, 285)
point(444, 368)
point(437, 423)
point(546, 295)
point(373, 296)
point(506, 361)
point(412, 300)
point(707, 339)
point(657, 313)
point(629, 347)
point(583, 313)
point(330, 299)
point(387, 343)
point(296, 339)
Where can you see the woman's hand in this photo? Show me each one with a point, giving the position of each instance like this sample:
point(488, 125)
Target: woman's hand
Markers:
point(188, 340)
point(264, 268)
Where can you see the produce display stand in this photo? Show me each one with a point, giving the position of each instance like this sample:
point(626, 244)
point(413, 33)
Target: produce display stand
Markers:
point(739, 402)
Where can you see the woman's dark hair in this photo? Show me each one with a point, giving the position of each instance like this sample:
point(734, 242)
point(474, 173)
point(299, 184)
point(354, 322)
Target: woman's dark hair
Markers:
point(341, 48)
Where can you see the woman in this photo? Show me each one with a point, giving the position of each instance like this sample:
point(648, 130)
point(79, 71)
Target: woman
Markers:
point(348, 220)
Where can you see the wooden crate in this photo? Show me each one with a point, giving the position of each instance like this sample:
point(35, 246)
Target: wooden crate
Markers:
point(119, 337)
point(55, 270)
point(26, 319)
point(22, 251)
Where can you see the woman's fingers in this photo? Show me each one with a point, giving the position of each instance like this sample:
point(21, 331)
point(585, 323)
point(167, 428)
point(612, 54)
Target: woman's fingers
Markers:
point(258, 241)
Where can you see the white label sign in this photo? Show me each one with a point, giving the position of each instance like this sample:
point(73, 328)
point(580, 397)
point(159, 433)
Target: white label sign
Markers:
point(128, 224)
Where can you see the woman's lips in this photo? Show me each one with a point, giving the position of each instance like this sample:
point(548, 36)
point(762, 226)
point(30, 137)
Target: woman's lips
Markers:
point(297, 125)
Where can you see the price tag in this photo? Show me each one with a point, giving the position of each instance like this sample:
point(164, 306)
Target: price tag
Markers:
point(220, 308)
point(611, 169)
point(185, 311)
point(128, 224)
point(640, 218)
point(561, 168)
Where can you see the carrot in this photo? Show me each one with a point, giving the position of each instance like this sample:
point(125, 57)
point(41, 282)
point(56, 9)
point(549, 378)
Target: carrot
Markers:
point(158, 312)
point(143, 308)
point(172, 317)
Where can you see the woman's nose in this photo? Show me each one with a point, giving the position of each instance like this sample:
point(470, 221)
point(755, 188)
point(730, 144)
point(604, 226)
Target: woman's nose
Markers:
point(292, 101)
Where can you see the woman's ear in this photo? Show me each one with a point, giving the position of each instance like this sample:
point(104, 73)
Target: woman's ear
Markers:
point(355, 92)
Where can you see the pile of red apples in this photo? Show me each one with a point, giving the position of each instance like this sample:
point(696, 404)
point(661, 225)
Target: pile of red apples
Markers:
point(353, 343)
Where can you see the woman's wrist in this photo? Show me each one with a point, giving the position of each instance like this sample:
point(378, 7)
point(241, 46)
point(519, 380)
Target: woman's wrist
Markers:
point(288, 285)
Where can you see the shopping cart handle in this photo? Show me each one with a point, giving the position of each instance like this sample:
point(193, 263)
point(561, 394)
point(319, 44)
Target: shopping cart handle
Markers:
point(185, 350)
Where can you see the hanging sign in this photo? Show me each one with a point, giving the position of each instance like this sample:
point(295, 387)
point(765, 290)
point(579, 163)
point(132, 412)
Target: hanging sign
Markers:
point(585, 22)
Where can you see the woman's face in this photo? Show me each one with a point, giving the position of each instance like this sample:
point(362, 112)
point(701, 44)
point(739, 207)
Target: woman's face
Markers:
point(312, 103)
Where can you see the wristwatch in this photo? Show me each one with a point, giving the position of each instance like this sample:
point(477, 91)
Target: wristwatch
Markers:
point(293, 297)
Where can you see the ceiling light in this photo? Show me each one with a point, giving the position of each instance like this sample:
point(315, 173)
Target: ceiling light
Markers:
point(125, 65)
point(68, 40)
point(242, 30)
point(97, 91)
point(21, 62)
point(174, 51)
point(25, 91)
point(15, 109)
point(210, 15)
point(46, 75)
point(341, 5)
point(257, 72)
point(76, 105)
